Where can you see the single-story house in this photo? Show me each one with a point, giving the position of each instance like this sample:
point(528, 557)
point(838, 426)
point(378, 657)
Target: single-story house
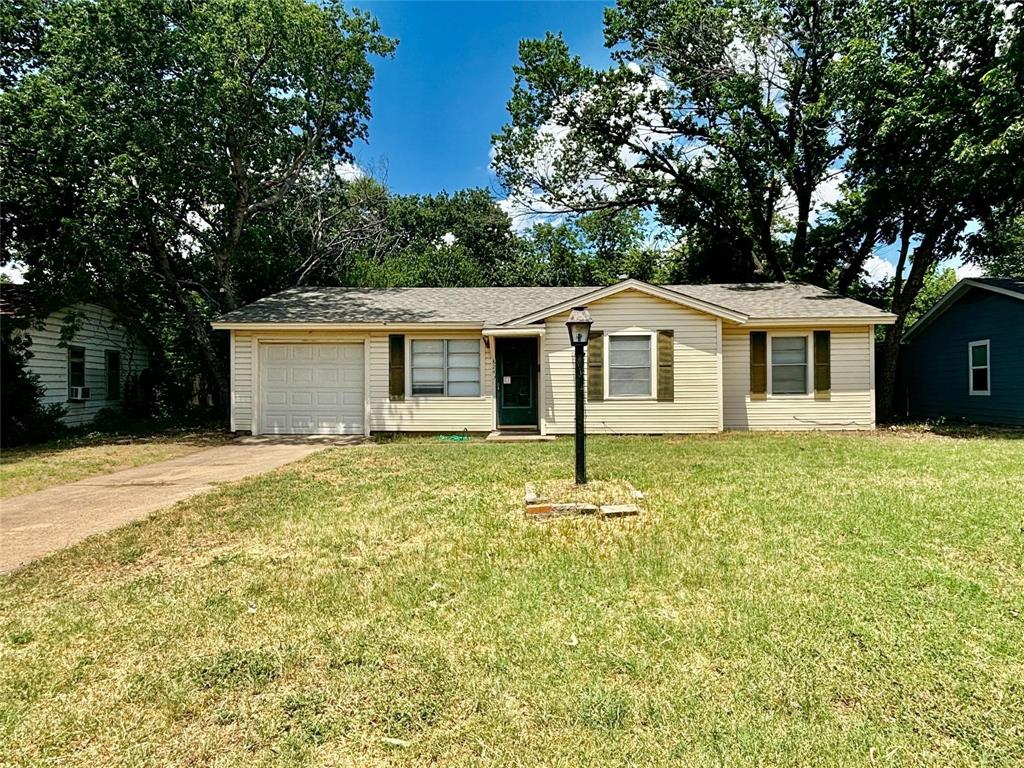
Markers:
point(661, 359)
point(964, 359)
point(83, 354)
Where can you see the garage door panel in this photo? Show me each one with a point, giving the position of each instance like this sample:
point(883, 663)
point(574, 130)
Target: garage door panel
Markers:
point(312, 388)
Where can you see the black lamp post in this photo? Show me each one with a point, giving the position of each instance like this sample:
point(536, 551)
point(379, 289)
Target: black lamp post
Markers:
point(579, 323)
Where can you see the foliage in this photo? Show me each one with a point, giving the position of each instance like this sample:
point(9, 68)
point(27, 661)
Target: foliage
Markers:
point(149, 139)
point(785, 599)
point(937, 284)
point(23, 415)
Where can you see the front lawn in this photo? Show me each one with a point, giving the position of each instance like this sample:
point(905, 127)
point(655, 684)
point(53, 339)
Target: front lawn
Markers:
point(33, 468)
point(786, 600)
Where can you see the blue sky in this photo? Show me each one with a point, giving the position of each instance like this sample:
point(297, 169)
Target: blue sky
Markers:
point(437, 102)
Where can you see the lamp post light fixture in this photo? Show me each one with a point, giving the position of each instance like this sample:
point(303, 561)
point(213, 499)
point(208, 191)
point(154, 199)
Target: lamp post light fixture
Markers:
point(579, 323)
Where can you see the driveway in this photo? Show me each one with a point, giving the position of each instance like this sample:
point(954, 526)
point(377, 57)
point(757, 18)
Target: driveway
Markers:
point(39, 523)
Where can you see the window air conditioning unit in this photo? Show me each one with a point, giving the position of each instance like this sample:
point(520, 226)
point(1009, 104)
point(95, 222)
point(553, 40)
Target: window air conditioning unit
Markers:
point(79, 393)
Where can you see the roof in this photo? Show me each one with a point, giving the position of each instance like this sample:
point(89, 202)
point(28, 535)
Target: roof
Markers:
point(503, 306)
point(1006, 286)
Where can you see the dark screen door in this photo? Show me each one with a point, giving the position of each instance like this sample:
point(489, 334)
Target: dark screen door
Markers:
point(517, 382)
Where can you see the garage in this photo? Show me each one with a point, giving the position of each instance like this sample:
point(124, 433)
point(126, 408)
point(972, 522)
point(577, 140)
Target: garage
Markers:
point(311, 389)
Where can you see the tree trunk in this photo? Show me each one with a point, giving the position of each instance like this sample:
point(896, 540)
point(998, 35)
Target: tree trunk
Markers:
point(904, 296)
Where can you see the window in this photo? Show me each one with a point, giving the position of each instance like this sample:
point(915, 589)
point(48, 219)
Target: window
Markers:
point(978, 365)
point(113, 361)
point(76, 368)
point(446, 367)
point(629, 366)
point(789, 365)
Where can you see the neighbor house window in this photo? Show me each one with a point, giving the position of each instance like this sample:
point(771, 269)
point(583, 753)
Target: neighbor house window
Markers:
point(789, 365)
point(979, 367)
point(113, 360)
point(629, 366)
point(446, 367)
point(76, 368)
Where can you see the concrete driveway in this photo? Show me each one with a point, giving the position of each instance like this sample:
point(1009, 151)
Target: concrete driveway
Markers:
point(39, 523)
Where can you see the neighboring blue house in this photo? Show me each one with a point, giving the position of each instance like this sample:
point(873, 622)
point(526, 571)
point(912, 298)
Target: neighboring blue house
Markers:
point(964, 359)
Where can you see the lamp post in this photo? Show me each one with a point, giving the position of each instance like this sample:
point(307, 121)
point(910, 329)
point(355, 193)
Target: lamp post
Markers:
point(579, 323)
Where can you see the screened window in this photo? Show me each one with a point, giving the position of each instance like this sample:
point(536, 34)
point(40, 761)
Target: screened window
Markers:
point(446, 367)
point(979, 367)
point(113, 360)
point(76, 368)
point(629, 366)
point(789, 365)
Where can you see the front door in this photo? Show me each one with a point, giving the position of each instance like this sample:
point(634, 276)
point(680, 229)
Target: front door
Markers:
point(516, 370)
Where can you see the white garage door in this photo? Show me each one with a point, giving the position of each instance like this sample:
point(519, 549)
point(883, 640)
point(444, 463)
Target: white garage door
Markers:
point(311, 389)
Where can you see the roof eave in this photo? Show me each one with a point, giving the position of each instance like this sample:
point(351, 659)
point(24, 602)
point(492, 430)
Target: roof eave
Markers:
point(231, 325)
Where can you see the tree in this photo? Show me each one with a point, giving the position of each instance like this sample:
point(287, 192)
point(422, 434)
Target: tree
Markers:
point(149, 139)
point(719, 116)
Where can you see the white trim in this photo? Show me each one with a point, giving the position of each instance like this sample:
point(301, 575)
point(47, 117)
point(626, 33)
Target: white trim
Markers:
point(444, 396)
point(971, 367)
point(882, 318)
point(652, 336)
point(541, 368)
point(366, 386)
point(809, 363)
point(533, 330)
point(871, 372)
point(231, 379)
point(721, 380)
point(636, 285)
point(362, 327)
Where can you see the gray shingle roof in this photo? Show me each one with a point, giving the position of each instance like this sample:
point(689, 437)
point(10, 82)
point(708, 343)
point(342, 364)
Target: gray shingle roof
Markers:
point(778, 301)
point(494, 306)
point(471, 306)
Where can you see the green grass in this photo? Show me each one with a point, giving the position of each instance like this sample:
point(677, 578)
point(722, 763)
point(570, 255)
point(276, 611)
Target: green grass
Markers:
point(785, 600)
point(33, 468)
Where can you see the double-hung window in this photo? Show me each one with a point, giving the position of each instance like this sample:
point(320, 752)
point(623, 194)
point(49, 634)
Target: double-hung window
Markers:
point(449, 367)
point(789, 365)
point(630, 373)
point(76, 368)
point(978, 367)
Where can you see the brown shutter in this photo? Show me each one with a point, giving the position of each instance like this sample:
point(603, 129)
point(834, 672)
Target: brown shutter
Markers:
point(595, 367)
point(396, 366)
point(758, 365)
point(823, 365)
point(666, 367)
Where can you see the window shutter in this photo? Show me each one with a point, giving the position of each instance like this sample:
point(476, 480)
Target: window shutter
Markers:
point(666, 367)
point(396, 366)
point(595, 367)
point(758, 365)
point(823, 364)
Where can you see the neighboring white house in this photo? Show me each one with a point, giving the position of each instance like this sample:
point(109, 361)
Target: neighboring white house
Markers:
point(662, 359)
point(90, 369)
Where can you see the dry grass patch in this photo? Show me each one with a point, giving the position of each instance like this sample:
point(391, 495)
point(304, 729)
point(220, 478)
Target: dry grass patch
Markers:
point(24, 470)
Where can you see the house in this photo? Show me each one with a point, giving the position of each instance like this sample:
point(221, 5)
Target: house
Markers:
point(661, 359)
point(964, 359)
point(83, 355)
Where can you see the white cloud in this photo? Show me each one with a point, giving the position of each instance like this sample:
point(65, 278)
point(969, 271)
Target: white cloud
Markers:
point(447, 240)
point(348, 171)
point(878, 270)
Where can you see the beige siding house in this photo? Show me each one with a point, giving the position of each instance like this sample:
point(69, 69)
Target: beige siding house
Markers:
point(661, 359)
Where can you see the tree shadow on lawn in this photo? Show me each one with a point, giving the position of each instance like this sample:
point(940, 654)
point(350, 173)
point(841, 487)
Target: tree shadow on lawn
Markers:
point(958, 430)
